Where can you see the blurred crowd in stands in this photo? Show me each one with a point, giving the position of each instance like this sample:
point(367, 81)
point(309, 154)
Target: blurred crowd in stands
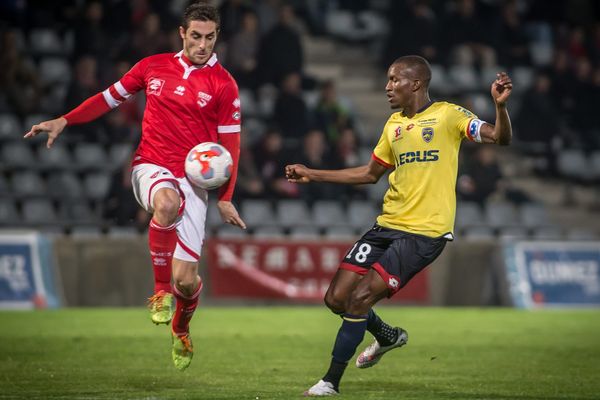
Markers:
point(56, 54)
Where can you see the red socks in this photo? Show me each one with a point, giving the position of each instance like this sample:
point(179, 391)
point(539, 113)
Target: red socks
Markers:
point(184, 309)
point(162, 241)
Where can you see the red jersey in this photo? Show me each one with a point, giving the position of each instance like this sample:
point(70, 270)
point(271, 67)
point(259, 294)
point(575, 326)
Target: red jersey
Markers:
point(185, 105)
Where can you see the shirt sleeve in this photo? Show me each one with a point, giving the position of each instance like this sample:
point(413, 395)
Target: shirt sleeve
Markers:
point(467, 124)
point(131, 83)
point(229, 113)
point(383, 153)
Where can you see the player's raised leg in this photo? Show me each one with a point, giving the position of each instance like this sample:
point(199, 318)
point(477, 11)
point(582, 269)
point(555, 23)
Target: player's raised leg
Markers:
point(162, 238)
point(186, 288)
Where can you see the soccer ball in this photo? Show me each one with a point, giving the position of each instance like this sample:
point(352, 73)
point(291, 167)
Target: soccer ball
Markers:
point(208, 165)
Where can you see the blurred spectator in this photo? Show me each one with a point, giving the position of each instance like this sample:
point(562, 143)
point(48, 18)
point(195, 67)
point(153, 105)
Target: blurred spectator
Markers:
point(330, 116)
point(120, 206)
point(470, 42)
point(537, 123)
point(84, 85)
point(280, 51)
point(315, 154)
point(91, 37)
point(242, 52)
point(417, 17)
point(270, 161)
point(249, 183)
point(18, 79)
point(345, 155)
point(232, 15)
point(291, 112)
point(512, 40)
point(583, 118)
point(150, 39)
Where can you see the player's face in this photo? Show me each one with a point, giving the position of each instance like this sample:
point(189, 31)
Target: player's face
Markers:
point(399, 88)
point(199, 40)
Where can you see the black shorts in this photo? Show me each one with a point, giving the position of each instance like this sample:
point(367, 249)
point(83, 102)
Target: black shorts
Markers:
point(396, 255)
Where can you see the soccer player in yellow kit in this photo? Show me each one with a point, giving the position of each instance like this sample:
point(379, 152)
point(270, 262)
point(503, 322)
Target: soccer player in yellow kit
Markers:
point(420, 144)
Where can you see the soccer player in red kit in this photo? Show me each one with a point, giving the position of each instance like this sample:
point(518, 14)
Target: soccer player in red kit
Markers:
point(190, 99)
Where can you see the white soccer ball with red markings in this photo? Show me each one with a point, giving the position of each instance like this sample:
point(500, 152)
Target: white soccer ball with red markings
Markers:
point(208, 165)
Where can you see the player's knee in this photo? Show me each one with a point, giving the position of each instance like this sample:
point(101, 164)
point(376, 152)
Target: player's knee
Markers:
point(166, 207)
point(186, 285)
point(337, 304)
point(361, 300)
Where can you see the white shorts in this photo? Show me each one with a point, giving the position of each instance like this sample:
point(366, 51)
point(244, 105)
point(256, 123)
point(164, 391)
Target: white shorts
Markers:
point(191, 222)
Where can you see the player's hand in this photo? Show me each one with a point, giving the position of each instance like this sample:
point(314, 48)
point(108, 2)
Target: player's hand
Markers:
point(501, 88)
point(53, 128)
point(297, 173)
point(229, 214)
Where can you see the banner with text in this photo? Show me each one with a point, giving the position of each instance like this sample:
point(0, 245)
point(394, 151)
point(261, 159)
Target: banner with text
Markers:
point(26, 272)
point(556, 274)
point(291, 270)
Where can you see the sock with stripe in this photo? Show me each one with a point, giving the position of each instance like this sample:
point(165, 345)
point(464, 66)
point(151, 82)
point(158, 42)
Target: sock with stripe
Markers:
point(384, 334)
point(162, 241)
point(349, 336)
point(184, 310)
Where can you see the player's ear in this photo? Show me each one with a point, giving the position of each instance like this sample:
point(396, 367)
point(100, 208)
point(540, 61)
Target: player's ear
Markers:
point(416, 85)
point(182, 32)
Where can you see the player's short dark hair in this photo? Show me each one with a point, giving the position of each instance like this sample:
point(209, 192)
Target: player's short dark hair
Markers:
point(419, 65)
point(200, 12)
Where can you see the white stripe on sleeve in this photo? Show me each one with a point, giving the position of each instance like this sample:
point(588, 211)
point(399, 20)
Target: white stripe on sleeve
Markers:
point(121, 90)
point(229, 128)
point(110, 100)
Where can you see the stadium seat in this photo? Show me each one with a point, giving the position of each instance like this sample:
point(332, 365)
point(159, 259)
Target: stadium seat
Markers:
point(18, 155)
point(254, 130)
point(248, 105)
point(501, 214)
point(464, 77)
point(327, 213)
point(96, 185)
point(227, 231)
point(547, 233)
point(534, 215)
point(594, 165)
point(581, 234)
point(439, 81)
point(10, 127)
point(45, 41)
point(57, 157)
point(468, 214)
point(54, 70)
point(120, 232)
point(361, 214)
point(258, 213)
point(64, 185)
point(39, 212)
point(213, 216)
point(523, 78)
point(377, 191)
point(292, 213)
point(269, 232)
point(478, 233)
point(341, 233)
point(513, 233)
point(86, 231)
point(573, 164)
point(483, 106)
point(266, 100)
point(9, 215)
point(487, 76)
point(119, 154)
point(304, 233)
point(78, 212)
point(26, 184)
point(91, 156)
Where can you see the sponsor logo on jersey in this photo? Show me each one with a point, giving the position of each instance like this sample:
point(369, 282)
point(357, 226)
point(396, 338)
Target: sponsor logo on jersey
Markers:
point(418, 156)
point(465, 111)
point(203, 99)
point(410, 126)
point(427, 122)
point(180, 90)
point(236, 115)
point(155, 86)
point(427, 134)
point(398, 133)
point(154, 175)
point(236, 103)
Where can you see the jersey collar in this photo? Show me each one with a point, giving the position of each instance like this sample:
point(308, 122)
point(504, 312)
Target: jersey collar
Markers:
point(189, 67)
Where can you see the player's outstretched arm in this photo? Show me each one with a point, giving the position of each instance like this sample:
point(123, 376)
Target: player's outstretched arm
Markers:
point(370, 173)
point(501, 132)
point(52, 127)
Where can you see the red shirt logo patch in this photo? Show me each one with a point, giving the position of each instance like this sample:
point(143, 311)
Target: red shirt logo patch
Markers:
point(155, 86)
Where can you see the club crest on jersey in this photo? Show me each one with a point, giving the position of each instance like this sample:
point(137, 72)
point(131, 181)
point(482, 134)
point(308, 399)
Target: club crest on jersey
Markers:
point(155, 86)
point(203, 99)
point(180, 90)
point(427, 134)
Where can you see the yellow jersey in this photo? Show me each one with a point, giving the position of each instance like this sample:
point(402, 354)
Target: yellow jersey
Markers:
point(423, 150)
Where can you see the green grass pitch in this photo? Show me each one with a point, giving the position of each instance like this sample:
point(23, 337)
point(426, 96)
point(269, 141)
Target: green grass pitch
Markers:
point(278, 352)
